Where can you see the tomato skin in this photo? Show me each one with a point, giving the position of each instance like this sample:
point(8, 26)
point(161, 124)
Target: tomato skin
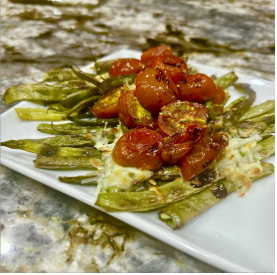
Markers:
point(220, 96)
point(197, 87)
point(202, 154)
point(176, 147)
point(148, 55)
point(177, 116)
point(172, 154)
point(126, 66)
point(197, 133)
point(132, 114)
point(140, 148)
point(171, 65)
point(154, 89)
point(107, 105)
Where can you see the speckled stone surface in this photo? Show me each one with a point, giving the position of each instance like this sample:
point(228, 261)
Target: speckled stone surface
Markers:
point(43, 230)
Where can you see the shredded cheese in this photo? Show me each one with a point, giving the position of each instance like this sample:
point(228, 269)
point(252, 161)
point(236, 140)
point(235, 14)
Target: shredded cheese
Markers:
point(241, 162)
point(121, 177)
point(158, 192)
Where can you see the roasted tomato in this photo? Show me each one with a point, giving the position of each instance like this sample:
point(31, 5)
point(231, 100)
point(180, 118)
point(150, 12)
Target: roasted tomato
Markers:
point(197, 133)
point(220, 96)
point(148, 55)
point(171, 65)
point(107, 105)
point(140, 148)
point(126, 66)
point(177, 116)
point(197, 87)
point(176, 147)
point(202, 154)
point(154, 89)
point(132, 114)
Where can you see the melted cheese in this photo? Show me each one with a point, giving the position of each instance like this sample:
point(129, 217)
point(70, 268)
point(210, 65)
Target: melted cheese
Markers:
point(124, 178)
point(241, 162)
point(103, 145)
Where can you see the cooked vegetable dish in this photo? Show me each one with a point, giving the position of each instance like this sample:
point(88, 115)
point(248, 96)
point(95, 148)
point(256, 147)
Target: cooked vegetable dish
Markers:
point(155, 132)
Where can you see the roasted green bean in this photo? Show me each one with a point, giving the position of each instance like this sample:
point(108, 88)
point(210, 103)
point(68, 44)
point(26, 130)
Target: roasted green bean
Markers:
point(58, 107)
point(161, 177)
point(54, 163)
point(258, 110)
point(49, 151)
point(114, 82)
point(167, 173)
point(78, 180)
point(148, 200)
point(108, 84)
point(247, 128)
point(179, 214)
point(37, 91)
point(75, 83)
point(73, 99)
point(226, 80)
point(212, 113)
point(111, 122)
point(268, 131)
point(67, 128)
point(81, 105)
point(40, 114)
point(233, 104)
point(59, 75)
point(233, 116)
point(266, 147)
point(266, 118)
point(86, 140)
point(85, 76)
point(103, 66)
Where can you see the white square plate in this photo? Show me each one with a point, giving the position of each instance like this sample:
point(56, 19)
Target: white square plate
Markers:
point(235, 235)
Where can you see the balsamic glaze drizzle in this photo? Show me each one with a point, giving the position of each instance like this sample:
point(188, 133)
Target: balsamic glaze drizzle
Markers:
point(204, 178)
point(220, 192)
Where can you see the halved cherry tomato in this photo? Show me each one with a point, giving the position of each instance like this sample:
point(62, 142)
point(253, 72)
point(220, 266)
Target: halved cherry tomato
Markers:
point(202, 154)
point(140, 148)
point(154, 89)
point(107, 105)
point(176, 147)
point(153, 52)
point(197, 87)
point(177, 116)
point(171, 65)
point(132, 114)
point(126, 66)
point(220, 96)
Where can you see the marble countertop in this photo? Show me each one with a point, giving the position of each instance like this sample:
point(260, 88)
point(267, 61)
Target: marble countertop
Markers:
point(43, 230)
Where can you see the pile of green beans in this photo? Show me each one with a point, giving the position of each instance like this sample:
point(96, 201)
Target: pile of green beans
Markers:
point(70, 95)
